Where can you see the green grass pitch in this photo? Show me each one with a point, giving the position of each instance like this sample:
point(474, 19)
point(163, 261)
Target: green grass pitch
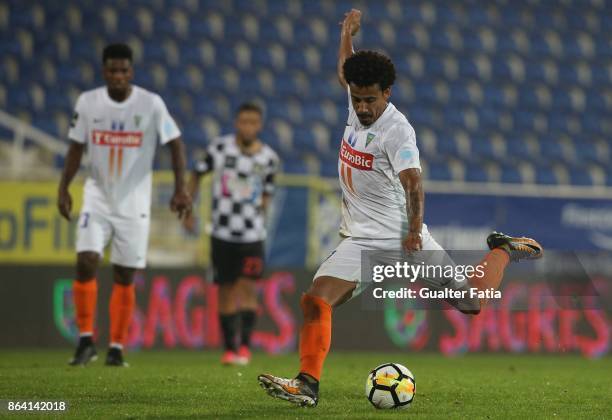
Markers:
point(192, 384)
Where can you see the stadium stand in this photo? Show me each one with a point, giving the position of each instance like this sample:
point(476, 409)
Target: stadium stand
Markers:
point(504, 91)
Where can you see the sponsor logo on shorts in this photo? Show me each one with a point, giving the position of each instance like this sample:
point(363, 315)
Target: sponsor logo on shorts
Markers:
point(355, 158)
point(117, 138)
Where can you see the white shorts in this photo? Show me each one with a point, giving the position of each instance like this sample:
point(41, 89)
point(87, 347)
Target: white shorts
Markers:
point(345, 261)
point(129, 236)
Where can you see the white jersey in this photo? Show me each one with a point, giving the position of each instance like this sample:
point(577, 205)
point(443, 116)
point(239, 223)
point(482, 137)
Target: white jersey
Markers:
point(121, 138)
point(373, 199)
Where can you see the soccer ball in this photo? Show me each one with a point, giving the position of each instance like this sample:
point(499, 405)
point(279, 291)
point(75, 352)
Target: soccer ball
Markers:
point(390, 385)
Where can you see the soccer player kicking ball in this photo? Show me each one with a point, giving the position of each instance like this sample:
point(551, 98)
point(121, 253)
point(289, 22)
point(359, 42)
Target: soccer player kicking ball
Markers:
point(382, 209)
point(120, 124)
point(244, 169)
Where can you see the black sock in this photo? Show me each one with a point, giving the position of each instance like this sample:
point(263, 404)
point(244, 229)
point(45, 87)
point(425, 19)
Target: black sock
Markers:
point(247, 324)
point(311, 382)
point(228, 327)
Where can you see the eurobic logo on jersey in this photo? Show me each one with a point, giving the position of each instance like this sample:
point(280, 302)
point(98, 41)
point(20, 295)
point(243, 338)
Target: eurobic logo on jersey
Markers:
point(355, 158)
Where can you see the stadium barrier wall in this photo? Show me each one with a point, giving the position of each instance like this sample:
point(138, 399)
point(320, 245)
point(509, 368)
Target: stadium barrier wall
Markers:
point(177, 308)
point(304, 220)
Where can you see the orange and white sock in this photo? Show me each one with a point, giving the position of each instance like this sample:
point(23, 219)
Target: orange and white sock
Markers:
point(315, 336)
point(494, 264)
point(122, 302)
point(85, 295)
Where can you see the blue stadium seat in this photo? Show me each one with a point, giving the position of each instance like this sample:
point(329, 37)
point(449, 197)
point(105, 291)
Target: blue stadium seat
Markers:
point(421, 115)
point(545, 175)
point(292, 67)
point(22, 18)
point(493, 96)
point(459, 94)
point(586, 151)
point(517, 149)
point(524, 120)
point(551, 149)
point(294, 165)
point(49, 125)
point(447, 146)
point(434, 66)
point(568, 73)
point(440, 41)
point(19, 98)
point(506, 45)
point(539, 45)
point(594, 123)
point(475, 173)
point(482, 148)
point(529, 98)
point(477, 16)
point(438, 171)
point(561, 100)
point(58, 99)
point(501, 70)
point(425, 93)
point(595, 100)
point(510, 174)
point(309, 8)
point(471, 41)
point(255, 8)
point(580, 176)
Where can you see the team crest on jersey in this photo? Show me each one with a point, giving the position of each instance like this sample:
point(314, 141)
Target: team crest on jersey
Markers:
point(369, 138)
point(137, 119)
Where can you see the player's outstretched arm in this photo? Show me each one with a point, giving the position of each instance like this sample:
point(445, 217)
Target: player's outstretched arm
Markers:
point(193, 188)
point(202, 167)
point(350, 26)
point(181, 199)
point(71, 167)
point(415, 200)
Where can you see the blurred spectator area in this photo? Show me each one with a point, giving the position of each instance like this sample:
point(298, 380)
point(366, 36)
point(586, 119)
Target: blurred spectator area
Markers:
point(512, 91)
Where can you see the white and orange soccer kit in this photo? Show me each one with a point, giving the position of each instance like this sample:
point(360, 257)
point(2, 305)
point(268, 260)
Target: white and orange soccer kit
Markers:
point(373, 200)
point(121, 139)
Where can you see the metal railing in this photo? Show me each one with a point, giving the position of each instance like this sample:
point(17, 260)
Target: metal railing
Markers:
point(23, 131)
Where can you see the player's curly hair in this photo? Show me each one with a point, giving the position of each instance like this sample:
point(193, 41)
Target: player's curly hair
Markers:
point(365, 68)
point(120, 51)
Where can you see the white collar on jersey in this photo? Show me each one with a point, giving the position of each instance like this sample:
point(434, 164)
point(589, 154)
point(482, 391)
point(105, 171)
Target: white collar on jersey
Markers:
point(388, 111)
point(123, 104)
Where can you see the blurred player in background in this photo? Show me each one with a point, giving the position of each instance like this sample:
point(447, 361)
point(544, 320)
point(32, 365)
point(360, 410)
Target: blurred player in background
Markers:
point(382, 209)
point(120, 124)
point(244, 169)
